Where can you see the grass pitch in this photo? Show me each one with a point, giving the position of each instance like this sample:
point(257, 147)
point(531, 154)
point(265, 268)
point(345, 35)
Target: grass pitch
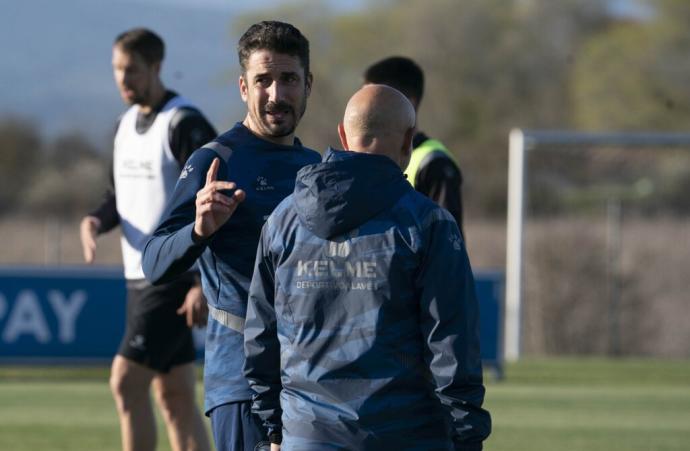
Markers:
point(542, 405)
point(61, 409)
point(591, 405)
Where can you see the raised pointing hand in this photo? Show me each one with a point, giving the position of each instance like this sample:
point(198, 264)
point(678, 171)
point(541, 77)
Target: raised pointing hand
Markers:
point(214, 208)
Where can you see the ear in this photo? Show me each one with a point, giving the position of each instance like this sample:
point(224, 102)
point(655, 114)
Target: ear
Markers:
point(309, 80)
point(243, 88)
point(157, 68)
point(343, 137)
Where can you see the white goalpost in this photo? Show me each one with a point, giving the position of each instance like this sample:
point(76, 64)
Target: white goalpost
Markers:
point(520, 143)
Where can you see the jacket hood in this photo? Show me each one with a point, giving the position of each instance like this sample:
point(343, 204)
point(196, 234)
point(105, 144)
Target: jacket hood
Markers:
point(345, 190)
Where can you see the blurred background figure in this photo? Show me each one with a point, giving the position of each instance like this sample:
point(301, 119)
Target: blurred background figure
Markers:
point(153, 140)
point(433, 170)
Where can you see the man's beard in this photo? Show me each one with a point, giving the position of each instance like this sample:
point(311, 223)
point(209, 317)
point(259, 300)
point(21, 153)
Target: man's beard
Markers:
point(138, 98)
point(272, 107)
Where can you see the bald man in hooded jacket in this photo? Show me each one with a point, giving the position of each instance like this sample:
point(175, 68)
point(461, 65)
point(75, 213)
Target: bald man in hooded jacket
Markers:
point(362, 324)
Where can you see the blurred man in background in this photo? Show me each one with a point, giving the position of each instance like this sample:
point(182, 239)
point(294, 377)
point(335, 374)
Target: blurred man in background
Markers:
point(433, 170)
point(154, 138)
point(362, 329)
point(220, 203)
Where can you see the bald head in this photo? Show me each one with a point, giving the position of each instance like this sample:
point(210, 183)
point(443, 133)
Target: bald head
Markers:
point(379, 120)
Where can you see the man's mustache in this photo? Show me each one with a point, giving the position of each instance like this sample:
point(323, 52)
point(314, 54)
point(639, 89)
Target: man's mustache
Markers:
point(278, 107)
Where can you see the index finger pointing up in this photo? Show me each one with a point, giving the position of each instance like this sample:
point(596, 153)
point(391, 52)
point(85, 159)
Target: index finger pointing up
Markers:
point(212, 173)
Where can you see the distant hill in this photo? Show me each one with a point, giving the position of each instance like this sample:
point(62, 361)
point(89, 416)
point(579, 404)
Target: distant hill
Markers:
point(56, 69)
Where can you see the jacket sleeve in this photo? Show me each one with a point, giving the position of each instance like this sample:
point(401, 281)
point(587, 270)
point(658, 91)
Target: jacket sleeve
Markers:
point(188, 131)
point(450, 327)
point(171, 250)
point(261, 346)
point(441, 181)
point(106, 212)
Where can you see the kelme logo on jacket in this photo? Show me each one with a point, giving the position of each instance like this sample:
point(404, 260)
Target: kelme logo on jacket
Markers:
point(456, 241)
point(338, 249)
point(262, 184)
point(185, 171)
point(337, 271)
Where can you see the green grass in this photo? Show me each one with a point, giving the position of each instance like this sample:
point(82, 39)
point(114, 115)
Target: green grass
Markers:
point(61, 408)
point(542, 405)
point(591, 405)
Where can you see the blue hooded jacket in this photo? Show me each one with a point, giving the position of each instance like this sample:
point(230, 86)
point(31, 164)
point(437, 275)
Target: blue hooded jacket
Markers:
point(362, 324)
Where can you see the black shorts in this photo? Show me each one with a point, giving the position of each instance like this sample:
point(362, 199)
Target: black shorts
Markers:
point(155, 335)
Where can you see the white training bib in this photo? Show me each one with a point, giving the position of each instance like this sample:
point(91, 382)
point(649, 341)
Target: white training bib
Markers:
point(145, 172)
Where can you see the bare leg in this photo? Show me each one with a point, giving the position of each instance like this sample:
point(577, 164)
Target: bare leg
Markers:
point(129, 383)
point(177, 400)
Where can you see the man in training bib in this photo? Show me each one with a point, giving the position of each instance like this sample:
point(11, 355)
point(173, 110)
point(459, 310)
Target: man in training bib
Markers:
point(153, 140)
point(432, 170)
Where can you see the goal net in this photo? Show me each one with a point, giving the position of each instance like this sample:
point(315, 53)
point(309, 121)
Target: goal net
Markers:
point(598, 245)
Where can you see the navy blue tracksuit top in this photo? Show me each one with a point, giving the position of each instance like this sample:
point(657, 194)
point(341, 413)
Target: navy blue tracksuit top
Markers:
point(362, 324)
point(266, 172)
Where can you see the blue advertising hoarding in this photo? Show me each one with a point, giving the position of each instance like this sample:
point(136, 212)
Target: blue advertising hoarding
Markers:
point(489, 288)
point(77, 314)
point(61, 313)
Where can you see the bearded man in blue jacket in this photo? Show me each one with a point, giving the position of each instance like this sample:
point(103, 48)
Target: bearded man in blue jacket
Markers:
point(362, 324)
point(223, 196)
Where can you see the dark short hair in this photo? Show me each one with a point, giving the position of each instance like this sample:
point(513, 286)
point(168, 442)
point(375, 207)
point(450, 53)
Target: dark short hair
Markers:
point(279, 37)
point(143, 42)
point(400, 73)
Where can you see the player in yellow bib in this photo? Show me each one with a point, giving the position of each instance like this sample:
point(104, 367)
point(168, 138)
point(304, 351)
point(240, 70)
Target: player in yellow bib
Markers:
point(433, 170)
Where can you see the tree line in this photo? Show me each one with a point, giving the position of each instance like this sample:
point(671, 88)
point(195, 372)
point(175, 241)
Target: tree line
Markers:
point(491, 65)
point(61, 177)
